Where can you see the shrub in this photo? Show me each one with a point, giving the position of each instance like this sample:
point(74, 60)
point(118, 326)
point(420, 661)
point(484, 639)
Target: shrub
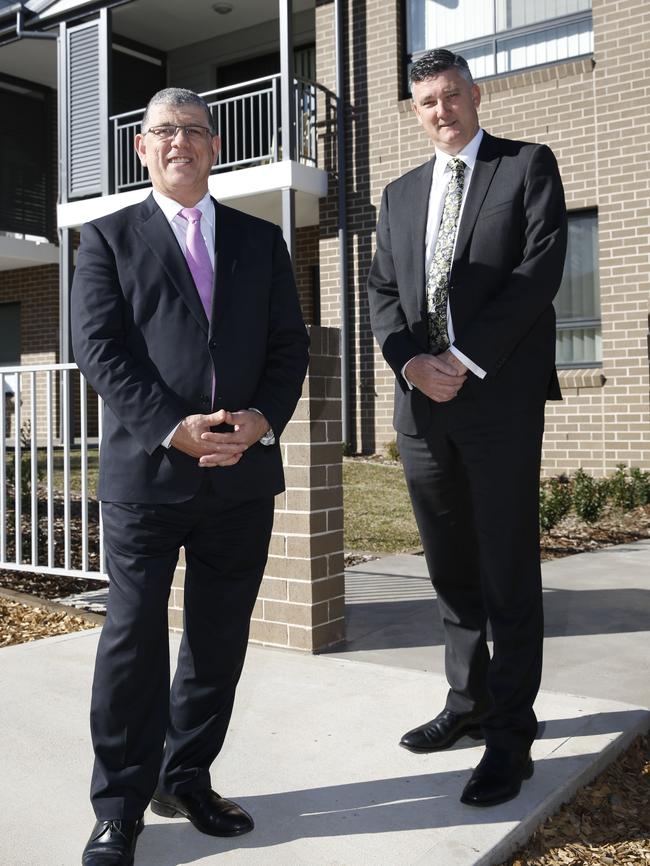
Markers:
point(620, 489)
point(589, 495)
point(554, 503)
point(629, 490)
point(392, 451)
point(640, 486)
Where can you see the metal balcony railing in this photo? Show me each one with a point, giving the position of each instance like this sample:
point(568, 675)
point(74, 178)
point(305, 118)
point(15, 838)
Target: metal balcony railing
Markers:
point(247, 118)
point(49, 515)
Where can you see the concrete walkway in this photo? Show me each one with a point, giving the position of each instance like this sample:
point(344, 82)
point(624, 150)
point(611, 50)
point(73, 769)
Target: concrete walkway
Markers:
point(312, 750)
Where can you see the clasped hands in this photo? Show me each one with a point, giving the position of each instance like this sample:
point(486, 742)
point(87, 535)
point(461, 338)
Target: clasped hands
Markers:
point(440, 377)
point(194, 437)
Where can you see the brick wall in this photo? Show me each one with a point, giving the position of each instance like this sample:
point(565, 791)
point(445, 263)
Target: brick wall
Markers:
point(301, 603)
point(595, 116)
point(37, 291)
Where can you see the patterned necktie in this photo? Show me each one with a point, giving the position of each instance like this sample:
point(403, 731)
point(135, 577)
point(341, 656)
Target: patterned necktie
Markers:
point(440, 267)
point(198, 258)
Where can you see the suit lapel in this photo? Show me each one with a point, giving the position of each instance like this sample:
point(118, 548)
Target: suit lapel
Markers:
point(226, 244)
point(486, 164)
point(159, 237)
point(418, 208)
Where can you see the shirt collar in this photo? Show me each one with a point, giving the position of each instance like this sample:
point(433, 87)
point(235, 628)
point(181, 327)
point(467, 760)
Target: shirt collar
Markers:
point(171, 208)
point(468, 154)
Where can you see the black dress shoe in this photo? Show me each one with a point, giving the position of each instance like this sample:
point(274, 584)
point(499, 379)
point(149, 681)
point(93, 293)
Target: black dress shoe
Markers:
point(442, 732)
point(112, 843)
point(209, 812)
point(497, 778)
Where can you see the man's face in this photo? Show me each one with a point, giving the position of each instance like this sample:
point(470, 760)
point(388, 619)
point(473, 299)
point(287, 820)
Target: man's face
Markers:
point(446, 106)
point(179, 167)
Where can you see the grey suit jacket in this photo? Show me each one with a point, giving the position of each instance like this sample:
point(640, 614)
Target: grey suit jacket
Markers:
point(507, 268)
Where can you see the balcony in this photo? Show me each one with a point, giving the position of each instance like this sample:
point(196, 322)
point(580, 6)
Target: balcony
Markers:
point(251, 170)
point(247, 119)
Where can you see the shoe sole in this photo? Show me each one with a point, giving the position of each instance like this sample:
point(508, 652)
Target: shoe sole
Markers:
point(527, 774)
point(472, 733)
point(167, 811)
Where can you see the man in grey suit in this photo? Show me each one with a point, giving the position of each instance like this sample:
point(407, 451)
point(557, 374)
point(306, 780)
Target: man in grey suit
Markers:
point(470, 253)
point(185, 319)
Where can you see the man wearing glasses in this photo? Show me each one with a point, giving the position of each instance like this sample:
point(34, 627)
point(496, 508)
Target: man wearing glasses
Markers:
point(186, 321)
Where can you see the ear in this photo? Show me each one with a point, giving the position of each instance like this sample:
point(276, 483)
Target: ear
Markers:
point(216, 147)
point(140, 148)
point(417, 112)
point(476, 95)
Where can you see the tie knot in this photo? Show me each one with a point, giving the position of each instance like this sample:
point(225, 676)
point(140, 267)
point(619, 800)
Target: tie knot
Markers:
point(456, 165)
point(191, 214)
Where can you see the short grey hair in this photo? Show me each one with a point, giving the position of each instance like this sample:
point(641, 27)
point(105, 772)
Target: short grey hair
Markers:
point(436, 61)
point(176, 96)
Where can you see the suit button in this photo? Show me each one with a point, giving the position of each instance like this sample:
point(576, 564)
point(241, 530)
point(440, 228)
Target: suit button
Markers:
point(204, 398)
point(212, 344)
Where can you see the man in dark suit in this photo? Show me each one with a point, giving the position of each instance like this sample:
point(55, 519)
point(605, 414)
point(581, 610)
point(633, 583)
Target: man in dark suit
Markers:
point(185, 319)
point(470, 253)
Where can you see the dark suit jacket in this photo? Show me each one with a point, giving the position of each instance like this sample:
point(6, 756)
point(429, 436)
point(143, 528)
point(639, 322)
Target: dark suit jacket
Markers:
point(142, 339)
point(507, 268)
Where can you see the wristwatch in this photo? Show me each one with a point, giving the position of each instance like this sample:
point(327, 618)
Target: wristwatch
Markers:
point(269, 436)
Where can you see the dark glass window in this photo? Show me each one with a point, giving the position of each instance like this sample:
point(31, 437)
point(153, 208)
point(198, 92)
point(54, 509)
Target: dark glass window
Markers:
point(25, 170)
point(9, 334)
point(577, 304)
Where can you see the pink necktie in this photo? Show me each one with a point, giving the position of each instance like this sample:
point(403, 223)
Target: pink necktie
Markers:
point(198, 258)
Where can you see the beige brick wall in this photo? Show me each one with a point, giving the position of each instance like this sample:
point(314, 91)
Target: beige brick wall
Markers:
point(37, 291)
point(301, 604)
point(595, 115)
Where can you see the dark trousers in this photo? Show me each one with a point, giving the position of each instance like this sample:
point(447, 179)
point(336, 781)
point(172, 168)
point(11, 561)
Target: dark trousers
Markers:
point(145, 736)
point(475, 492)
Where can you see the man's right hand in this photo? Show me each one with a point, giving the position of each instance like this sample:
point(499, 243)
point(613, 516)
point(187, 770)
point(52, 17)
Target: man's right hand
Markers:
point(187, 438)
point(436, 378)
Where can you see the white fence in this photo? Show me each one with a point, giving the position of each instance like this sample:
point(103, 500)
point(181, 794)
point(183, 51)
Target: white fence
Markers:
point(50, 521)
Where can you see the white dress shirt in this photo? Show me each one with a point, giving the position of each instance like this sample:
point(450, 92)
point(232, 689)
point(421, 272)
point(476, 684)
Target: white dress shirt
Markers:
point(171, 210)
point(439, 183)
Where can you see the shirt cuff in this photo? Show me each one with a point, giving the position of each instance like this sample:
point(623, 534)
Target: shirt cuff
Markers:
point(410, 387)
point(478, 371)
point(167, 441)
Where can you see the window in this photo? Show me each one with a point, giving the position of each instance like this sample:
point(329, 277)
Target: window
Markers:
point(577, 304)
point(9, 334)
point(498, 36)
point(26, 176)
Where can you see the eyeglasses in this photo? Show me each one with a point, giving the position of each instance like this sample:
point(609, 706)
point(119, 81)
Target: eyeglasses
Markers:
point(194, 133)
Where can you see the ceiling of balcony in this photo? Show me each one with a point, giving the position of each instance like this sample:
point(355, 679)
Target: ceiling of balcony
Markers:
point(168, 24)
point(162, 24)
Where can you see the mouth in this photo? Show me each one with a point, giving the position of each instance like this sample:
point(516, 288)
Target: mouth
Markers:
point(179, 160)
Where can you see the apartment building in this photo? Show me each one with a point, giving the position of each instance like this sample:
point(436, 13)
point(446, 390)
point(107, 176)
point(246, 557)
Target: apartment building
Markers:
point(312, 102)
point(573, 74)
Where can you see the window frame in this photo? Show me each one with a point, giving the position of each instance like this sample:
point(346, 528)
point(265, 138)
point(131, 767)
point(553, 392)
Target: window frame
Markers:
point(583, 322)
point(500, 36)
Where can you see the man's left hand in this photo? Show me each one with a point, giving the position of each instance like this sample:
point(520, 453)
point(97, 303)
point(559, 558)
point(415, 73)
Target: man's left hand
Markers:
point(455, 362)
point(249, 427)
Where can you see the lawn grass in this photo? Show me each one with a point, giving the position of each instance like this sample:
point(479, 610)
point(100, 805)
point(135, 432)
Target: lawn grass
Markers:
point(377, 510)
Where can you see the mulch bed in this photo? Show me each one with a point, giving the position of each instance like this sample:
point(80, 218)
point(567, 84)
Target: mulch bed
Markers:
point(20, 623)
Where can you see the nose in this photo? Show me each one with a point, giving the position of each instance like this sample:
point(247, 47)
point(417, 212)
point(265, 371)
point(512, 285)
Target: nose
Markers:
point(179, 133)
